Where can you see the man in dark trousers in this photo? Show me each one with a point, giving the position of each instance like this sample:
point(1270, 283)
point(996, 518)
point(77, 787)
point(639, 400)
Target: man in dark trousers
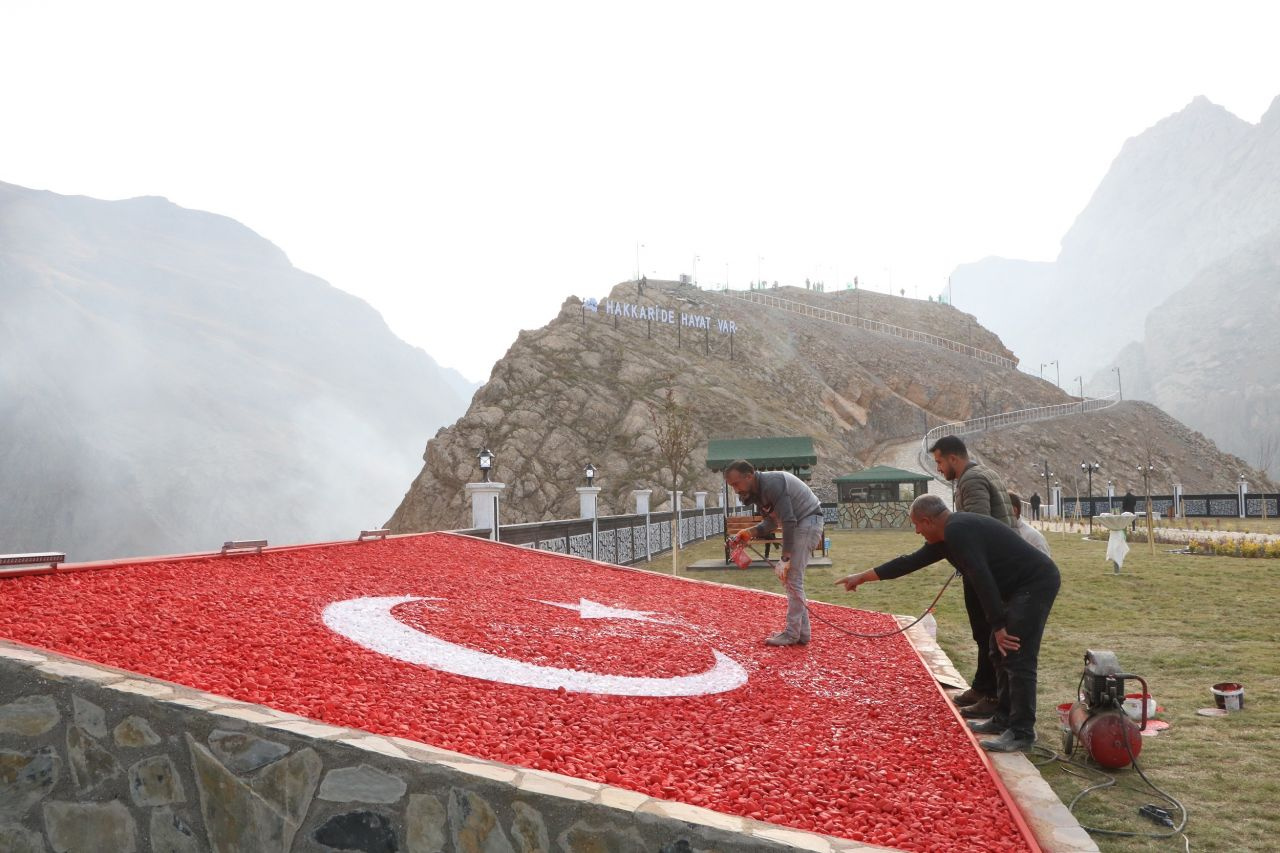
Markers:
point(979, 490)
point(1035, 505)
point(784, 501)
point(1015, 584)
point(1129, 503)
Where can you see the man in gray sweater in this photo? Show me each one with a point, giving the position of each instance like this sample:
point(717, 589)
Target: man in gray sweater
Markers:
point(784, 501)
point(979, 490)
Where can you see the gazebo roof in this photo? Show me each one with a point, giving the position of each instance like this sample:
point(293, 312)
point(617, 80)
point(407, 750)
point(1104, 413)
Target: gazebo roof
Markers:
point(883, 474)
point(776, 452)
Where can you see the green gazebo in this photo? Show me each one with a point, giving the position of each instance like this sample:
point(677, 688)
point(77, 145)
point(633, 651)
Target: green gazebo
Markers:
point(878, 498)
point(780, 453)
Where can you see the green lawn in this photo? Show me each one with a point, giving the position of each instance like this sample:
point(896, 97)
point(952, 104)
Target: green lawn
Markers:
point(1181, 622)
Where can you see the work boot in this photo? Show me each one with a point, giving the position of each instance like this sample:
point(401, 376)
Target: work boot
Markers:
point(1008, 742)
point(782, 638)
point(984, 707)
point(988, 727)
point(968, 697)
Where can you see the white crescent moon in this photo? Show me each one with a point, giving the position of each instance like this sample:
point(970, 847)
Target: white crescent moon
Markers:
point(368, 621)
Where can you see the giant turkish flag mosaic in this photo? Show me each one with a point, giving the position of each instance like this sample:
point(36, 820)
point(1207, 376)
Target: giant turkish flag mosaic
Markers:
point(619, 676)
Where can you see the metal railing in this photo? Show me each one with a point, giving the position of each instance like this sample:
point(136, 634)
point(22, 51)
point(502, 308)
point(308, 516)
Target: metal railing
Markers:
point(1020, 416)
point(620, 539)
point(806, 310)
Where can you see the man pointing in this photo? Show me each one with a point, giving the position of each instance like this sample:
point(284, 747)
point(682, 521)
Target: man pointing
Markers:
point(1015, 585)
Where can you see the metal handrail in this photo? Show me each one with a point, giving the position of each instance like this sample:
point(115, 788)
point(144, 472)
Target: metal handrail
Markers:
point(1020, 416)
point(827, 314)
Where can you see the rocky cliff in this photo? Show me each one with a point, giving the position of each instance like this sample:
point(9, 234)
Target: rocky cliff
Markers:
point(1170, 273)
point(1209, 353)
point(168, 380)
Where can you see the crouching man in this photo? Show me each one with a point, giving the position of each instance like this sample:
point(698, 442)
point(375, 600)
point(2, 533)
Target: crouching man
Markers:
point(1016, 585)
point(783, 500)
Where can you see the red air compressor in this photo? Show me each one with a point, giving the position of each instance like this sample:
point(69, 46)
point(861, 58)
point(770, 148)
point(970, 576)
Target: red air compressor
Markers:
point(1097, 719)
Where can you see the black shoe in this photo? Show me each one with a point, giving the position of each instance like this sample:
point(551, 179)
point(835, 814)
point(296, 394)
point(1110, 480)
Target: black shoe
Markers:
point(1008, 742)
point(986, 707)
point(988, 727)
point(968, 697)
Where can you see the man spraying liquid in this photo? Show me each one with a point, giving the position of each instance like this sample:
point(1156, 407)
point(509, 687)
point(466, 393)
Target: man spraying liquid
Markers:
point(783, 500)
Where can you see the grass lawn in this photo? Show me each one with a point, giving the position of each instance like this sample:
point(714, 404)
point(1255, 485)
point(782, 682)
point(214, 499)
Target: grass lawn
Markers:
point(1181, 622)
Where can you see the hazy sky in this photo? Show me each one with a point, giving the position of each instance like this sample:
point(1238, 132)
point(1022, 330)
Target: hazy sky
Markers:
point(465, 167)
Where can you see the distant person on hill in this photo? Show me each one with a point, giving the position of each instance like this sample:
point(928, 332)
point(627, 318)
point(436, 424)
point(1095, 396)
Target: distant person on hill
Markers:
point(1033, 537)
point(1016, 586)
point(1035, 505)
point(784, 501)
point(1129, 503)
point(979, 490)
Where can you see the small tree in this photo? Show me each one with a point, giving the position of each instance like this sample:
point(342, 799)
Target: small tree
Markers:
point(674, 432)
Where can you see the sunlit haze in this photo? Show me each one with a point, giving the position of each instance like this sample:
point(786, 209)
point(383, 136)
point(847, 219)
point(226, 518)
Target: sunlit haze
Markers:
point(465, 167)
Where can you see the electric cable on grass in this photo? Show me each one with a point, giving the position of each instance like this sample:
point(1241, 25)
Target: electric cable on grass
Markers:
point(844, 630)
point(1108, 780)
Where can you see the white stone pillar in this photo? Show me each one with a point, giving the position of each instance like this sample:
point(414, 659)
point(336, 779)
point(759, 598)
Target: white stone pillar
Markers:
point(1244, 494)
point(484, 506)
point(700, 500)
point(1177, 500)
point(641, 497)
point(587, 501)
point(1056, 500)
point(1111, 494)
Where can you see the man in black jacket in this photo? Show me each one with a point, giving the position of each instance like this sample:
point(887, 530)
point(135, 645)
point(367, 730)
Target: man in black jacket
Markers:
point(1129, 503)
point(1016, 586)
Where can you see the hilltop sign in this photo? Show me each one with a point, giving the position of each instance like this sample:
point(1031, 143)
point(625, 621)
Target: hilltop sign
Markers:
point(658, 314)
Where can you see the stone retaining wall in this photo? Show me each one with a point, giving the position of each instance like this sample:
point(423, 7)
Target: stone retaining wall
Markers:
point(94, 759)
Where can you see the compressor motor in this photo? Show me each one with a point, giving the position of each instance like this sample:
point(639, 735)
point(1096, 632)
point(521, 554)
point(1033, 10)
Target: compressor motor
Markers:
point(1097, 720)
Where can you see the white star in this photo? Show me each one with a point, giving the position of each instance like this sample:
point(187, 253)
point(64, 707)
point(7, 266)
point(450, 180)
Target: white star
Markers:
point(588, 609)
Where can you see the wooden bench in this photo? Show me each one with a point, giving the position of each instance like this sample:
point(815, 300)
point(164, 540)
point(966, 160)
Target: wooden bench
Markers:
point(734, 524)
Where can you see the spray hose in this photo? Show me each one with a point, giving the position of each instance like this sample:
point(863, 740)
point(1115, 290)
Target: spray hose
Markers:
point(840, 628)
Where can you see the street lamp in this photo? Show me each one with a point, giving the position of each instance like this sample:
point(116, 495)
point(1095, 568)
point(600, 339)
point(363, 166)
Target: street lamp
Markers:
point(589, 472)
point(1089, 468)
point(485, 458)
point(1047, 474)
point(1119, 384)
point(1057, 373)
point(696, 258)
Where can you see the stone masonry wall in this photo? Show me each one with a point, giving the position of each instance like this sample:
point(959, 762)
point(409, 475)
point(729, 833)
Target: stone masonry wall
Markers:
point(98, 760)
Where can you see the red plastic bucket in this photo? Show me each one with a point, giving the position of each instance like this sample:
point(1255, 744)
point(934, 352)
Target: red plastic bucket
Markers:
point(1064, 715)
point(740, 556)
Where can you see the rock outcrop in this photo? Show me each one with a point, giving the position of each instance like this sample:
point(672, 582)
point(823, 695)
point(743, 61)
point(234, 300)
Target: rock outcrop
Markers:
point(581, 390)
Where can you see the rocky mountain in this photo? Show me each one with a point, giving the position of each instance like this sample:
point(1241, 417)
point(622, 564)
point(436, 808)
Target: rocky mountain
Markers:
point(168, 381)
point(1210, 351)
point(582, 389)
point(1184, 193)
point(1184, 217)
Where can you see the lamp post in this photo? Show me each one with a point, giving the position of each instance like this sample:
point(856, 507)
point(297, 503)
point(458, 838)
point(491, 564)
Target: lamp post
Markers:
point(589, 472)
point(484, 496)
point(1244, 493)
point(1119, 384)
point(1089, 468)
point(696, 258)
point(1057, 374)
point(639, 246)
point(1047, 474)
